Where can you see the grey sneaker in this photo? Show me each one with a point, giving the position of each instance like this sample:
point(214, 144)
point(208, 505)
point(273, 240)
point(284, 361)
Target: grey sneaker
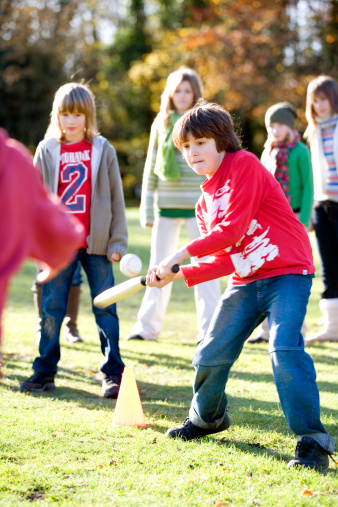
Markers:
point(188, 431)
point(71, 334)
point(38, 383)
point(309, 454)
point(111, 386)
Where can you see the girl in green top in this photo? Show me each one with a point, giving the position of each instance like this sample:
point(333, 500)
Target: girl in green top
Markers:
point(289, 159)
point(290, 162)
point(170, 190)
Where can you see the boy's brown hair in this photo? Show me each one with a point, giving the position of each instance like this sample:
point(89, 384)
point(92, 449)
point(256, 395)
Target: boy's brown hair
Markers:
point(208, 120)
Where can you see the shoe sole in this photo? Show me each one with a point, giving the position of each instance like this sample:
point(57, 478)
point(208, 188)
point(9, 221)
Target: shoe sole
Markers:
point(46, 387)
point(313, 466)
point(110, 396)
point(141, 339)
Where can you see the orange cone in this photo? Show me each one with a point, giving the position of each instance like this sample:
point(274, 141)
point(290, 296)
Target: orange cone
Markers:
point(128, 409)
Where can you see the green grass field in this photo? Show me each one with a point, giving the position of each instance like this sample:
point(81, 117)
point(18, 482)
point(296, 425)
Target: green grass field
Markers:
point(61, 447)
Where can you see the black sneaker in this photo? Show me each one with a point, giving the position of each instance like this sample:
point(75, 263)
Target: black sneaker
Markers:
point(111, 386)
point(188, 431)
point(259, 339)
point(135, 337)
point(309, 454)
point(38, 383)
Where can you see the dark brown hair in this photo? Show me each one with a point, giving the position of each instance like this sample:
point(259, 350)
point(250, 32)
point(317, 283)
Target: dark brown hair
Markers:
point(324, 86)
point(208, 120)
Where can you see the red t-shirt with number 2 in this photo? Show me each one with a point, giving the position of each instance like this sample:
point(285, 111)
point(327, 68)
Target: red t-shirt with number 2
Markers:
point(75, 181)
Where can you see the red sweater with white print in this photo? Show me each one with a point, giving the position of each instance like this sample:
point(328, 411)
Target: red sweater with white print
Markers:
point(247, 225)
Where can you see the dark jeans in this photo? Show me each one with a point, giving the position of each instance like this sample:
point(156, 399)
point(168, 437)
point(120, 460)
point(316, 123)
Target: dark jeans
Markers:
point(77, 278)
point(54, 306)
point(283, 299)
point(325, 223)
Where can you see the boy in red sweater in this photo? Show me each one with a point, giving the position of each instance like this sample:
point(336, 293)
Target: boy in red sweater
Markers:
point(249, 228)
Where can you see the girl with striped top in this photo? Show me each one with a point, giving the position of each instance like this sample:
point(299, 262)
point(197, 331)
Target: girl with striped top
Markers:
point(170, 190)
point(322, 135)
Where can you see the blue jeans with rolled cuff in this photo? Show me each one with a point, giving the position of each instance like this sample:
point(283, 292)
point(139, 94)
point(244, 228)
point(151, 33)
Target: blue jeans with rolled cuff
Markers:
point(283, 299)
point(54, 307)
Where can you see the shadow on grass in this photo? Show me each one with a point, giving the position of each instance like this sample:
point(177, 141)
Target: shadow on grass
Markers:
point(257, 415)
point(82, 347)
point(157, 359)
point(169, 402)
point(260, 450)
point(268, 378)
point(17, 362)
point(314, 352)
point(320, 358)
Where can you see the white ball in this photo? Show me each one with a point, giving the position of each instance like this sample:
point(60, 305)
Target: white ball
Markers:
point(130, 265)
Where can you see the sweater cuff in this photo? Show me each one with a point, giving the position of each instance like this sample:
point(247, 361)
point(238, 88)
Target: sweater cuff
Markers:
point(216, 267)
point(116, 247)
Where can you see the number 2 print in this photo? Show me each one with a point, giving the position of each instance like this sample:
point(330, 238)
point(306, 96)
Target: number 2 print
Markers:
point(75, 175)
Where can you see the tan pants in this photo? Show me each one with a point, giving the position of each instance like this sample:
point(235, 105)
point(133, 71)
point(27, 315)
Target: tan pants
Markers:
point(164, 241)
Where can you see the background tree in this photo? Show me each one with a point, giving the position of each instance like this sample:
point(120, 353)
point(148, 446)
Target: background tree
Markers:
point(41, 45)
point(250, 54)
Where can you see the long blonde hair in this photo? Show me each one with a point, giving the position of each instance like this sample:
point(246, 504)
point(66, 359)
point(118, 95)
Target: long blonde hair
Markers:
point(73, 97)
point(324, 86)
point(173, 81)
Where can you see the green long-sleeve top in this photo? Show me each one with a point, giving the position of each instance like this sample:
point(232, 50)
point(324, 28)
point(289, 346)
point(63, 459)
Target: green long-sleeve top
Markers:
point(181, 194)
point(301, 179)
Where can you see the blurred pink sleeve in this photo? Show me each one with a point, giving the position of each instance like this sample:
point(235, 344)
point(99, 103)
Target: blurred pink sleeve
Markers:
point(32, 223)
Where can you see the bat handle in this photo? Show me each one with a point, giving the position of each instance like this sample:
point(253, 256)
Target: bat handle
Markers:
point(175, 269)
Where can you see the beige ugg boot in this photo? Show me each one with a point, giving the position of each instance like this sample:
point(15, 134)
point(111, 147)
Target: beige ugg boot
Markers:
point(329, 333)
point(37, 289)
point(71, 332)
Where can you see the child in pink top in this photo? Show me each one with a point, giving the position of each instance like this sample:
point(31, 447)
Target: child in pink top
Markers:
point(32, 223)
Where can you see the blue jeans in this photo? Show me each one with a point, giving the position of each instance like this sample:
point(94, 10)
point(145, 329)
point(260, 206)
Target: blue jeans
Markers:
point(283, 299)
point(325, 224)
point(77, 278)
point(54, 306)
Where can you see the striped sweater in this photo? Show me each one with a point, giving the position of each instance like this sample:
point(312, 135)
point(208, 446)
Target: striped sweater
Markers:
point(324, 152)
point(328, 128)
point(156, 193)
